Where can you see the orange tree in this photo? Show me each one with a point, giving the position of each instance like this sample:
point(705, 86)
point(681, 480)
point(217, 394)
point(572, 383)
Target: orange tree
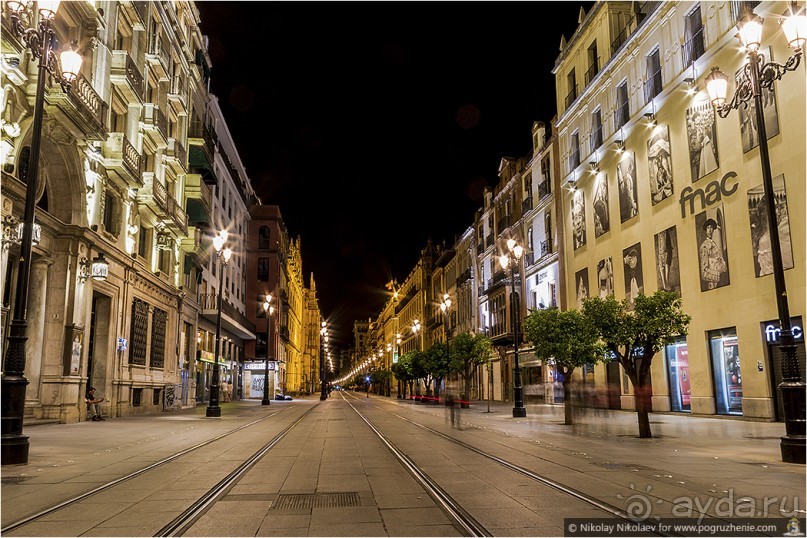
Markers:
point(468, 351)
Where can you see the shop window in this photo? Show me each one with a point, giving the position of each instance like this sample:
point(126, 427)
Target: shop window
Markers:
point(678, 374)
point(726, 370)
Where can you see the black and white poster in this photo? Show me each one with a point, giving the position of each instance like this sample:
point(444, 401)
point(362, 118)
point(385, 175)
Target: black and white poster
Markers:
point(659, 161)
point(634, 281)
point(668, 273)
point(626, 183)
point(748, 125)
point(605, 277)
point(578, 218)
point(713, 253)
point(702, 136)
point(760, 231)
point(602, 222)
point(581, 286)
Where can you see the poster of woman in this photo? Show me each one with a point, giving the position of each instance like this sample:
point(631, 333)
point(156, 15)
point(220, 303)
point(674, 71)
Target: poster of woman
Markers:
point(626, 182)
point(713, 254)
point(748, 126)
point(605, 277)
point(668, 276)
point(634, 282)
point(602, 223)
point(581, 286)
point(702, 134)
point(660, 163)
point(578, 219)
point(760, 232)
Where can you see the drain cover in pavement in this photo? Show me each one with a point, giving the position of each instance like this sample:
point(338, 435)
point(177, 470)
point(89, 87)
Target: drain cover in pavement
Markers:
point(316, 500)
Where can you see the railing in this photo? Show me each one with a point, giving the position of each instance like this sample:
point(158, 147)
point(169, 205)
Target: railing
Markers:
point(620, 39)
point(480, 291)
point(739, 8)
point(621, 115)
point(503, 223)
point(546, 248)
point(480, 248)
point(571, 96)
point(154, 117)
point(529, 259)
point(142, 10)
point(177, 150)
point(596, 137)
point(489, 241)
point(526, 204)
point(200, 130)
point(643, 12)
point(652, 86)
point(160, 193)
point(177, 86)
point(694, 48)
point(123, 61)
point(83, 92)
point(157, 48)
point(131, 158)
point(574, 159)
point(592, 71)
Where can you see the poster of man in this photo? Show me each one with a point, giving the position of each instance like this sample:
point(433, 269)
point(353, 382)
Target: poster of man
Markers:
point(626, 182)
point(702, 135)
point(748, 125)
point(668, 276)
point(660, 164)
point(760, 231)
point(602, 223)
point(605, 277)
point(710, 234)
point(581, 285)
point(578, 219)
point(634, 282)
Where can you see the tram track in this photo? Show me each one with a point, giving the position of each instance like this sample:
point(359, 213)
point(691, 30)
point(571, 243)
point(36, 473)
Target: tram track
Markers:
point(118, 481)
point(608, 509)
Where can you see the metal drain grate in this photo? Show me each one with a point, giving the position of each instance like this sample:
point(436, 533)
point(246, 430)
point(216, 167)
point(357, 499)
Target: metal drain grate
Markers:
point(316, 500)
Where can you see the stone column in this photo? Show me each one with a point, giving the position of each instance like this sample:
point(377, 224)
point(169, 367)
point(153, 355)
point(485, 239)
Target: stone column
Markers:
point(34, 346)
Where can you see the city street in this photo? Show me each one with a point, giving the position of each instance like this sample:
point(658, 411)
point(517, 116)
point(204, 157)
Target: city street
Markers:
point(320, 469)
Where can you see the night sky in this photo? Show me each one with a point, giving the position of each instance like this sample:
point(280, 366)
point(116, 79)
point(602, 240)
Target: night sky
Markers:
point(376, 126)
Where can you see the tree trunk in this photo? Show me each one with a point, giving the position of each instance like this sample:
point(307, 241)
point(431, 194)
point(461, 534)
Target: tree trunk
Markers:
point(465, 397)
point(642, 407)
point(567, 400)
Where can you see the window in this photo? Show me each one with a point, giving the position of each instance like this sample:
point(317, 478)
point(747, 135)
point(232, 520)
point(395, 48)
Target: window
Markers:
point(545, 187)
point(574, 151)
point(693, 45)
point(527, 185)
point(138, 332)
point(111, 213)
point(596, 129)
point(652, 86)
point(593, 63)
point(529, 240)
point(263, 238)
point(622, 112)
point(548, 232)
point(728, 380)
point(158, 322)
point(144, 243)
point(155, 397)
point(263, 269)
point(571, 84)
point(164, 261)
point(137, 397)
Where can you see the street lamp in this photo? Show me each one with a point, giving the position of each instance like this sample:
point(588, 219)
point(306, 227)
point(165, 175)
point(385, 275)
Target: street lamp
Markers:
point(41, 43)
point(514, 252)
point(224, 254)
point(398, 357)
point(756, 75)
point(324, 339)
point(269, 310)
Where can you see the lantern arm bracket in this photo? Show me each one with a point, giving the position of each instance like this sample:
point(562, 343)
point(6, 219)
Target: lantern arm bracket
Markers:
point(772, 71)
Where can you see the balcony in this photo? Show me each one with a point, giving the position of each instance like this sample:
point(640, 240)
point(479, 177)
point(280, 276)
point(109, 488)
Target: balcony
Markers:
point(621, 115)
point(480, 248)
point(178, 94)
point(198, 199)
point(193, 246)
point(158, 55)
point(176, 157)
point(82, 105)
point(154, 195)
point(642, 13)
point(546, 248)
point(126, 77)
point(489, 240)
point(592, 71)
point(121, 157)
point(155, 124)
point(177, 218)
point(529, 259)
point(652, 86)
point(284, 334)
point(138, 13)
point(231, 319)
point(574, 159)
point(202, 149)
point(464, 277)
point(596, 137)
point(571, 96)
point(544, 189)
point(526, 205)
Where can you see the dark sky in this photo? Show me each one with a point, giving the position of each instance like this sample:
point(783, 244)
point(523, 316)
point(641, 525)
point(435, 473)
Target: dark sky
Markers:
point(375, 126)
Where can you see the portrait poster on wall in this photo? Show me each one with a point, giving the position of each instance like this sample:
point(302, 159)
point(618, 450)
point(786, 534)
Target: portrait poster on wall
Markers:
point(578, 219)
point(605, 277)
point(634, 282)
point(713, 254)
point(581, 286)
point(760, 232)
point(659, 162)
point(668, 274)
point(602, 223)
point(748, 125)
point(626, 183)
point(702, 137)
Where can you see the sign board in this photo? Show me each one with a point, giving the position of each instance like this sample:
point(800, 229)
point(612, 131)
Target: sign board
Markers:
point(771, 330)
point(258, 365)
point(123, 344)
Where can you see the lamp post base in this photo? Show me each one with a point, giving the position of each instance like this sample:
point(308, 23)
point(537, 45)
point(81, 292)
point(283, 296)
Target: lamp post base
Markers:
point(793, 449)
point(266, 401)
point(519, 412)
point(213, 412)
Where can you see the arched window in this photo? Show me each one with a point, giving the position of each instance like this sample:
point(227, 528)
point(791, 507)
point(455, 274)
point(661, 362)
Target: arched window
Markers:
point(263, 238)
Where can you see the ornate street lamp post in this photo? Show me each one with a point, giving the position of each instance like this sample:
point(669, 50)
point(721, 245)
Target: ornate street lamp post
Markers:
point(224, 254)
point(269, 309)
point(324, 339)
point(398, 350)
point(514, 252)
point(757, 75)
point(41, 42)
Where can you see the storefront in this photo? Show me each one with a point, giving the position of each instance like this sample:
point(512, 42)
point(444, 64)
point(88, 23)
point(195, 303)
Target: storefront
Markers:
point(254, 376)
point(677, 362)
point(728, 381)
